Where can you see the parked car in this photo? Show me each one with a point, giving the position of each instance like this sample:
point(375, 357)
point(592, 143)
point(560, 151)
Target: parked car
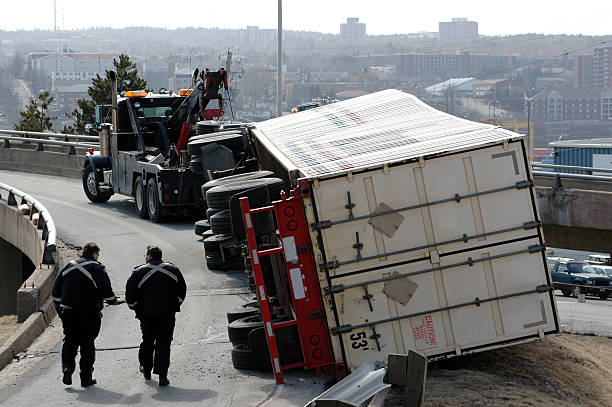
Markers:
point(576, 276)
point(602, 270)
point(600, 259)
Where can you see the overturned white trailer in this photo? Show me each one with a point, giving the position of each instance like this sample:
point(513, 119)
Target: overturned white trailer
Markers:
point(423, 227)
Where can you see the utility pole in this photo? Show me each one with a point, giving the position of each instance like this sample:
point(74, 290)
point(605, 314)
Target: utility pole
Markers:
point(279, 60)
point(54, 15)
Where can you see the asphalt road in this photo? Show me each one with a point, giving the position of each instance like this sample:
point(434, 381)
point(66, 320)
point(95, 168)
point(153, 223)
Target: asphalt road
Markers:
point(591, 317)
point(201, 371)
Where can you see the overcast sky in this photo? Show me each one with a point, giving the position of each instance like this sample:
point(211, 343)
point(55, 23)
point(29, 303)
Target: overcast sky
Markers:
point(591, 17)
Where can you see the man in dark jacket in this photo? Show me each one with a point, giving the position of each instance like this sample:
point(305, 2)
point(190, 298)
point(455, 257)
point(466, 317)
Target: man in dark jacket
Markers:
point(78, 293)
point(155, 291)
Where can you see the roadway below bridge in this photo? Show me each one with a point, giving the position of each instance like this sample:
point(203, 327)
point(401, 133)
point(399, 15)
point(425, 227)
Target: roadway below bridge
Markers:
point(201, 372)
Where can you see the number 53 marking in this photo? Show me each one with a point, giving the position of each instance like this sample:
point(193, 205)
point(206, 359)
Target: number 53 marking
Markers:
point(359, 340)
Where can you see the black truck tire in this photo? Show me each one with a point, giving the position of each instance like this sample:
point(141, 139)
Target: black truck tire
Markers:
point(211, 211)
point(231, 132)
point(218, 197)
point(233, 264)
point(211, 244)
point(234, 142)
point(221, 223)
point(239, 329)
point(140, 198)
point(200, 227)
point(214, 261)
point(199, 202)
point(207, 126)
point(242, 358)
point(153, 205)
point(231, 179)
point(241, 312)
point(196, 165)
point(91, 189)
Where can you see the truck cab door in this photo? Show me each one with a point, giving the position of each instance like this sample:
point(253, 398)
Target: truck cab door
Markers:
point(124, 161)
point(564, 275)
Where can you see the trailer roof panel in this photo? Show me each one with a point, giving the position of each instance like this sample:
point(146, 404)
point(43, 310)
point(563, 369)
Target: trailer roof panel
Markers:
point(382, 127)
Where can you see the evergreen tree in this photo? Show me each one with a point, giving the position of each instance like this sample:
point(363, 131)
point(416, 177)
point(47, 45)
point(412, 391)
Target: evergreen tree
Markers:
point(100, 92)
point(34, 117)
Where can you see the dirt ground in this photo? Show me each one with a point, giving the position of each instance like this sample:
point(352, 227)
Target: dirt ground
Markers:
point(568, 370)
point(8, 325)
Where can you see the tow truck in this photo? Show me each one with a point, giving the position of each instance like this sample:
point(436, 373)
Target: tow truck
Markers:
point(143, 154)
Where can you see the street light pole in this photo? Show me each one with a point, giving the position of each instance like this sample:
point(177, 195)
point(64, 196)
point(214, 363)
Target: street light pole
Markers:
point(279, 60)
point(529, 134)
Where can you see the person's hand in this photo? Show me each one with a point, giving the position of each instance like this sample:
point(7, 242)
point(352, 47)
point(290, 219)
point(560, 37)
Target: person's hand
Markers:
point(118, 300)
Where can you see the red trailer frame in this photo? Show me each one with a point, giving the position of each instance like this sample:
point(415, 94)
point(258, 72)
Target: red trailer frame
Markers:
point(308, 312)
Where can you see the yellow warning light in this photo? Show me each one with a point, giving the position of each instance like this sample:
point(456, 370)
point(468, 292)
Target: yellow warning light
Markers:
point(135, 94)
point(185, 92)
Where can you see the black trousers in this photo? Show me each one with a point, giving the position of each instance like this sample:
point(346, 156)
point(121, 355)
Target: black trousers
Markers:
point(156, 338)
point(81, 328)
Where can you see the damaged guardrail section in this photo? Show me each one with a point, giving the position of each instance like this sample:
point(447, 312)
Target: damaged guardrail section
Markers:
point(27, 224)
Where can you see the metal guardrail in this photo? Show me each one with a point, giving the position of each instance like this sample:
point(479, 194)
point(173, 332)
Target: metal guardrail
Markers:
point(45, 221)
point(588, 170)
point(41, 135)
point(550, 174)
point(72, 145)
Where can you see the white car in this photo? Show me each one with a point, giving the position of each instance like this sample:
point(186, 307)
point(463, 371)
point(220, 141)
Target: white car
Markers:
point(599, 258)
point(602, 270)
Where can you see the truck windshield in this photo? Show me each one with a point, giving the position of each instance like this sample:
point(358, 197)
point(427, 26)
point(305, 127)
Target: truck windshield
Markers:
point(582, 268)
point(155, 111)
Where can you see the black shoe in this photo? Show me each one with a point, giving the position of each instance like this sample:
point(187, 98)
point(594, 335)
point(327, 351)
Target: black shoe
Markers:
point(88, 382)
point(163, 381)
point(145, 373)
point(67, 379)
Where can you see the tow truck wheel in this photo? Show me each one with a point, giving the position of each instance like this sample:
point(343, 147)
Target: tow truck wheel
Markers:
point(153, 205)
point(91, 188)
point(141, 198)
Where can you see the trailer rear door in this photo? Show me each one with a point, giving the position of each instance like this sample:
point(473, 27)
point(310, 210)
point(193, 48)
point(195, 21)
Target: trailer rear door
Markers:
point(442, 255)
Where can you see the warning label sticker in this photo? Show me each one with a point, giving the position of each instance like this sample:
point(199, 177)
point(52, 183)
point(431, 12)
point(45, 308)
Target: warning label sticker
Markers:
point(423, 332)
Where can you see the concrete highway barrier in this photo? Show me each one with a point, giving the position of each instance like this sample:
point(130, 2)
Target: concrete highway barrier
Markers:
point(41, 162)
point(27, 227)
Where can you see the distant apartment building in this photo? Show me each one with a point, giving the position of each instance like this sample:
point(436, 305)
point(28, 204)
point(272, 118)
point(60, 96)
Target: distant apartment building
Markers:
point(571, 105)
point(254, 37)
point(180, 80)
point(583, 71)
point(71, 75)
point(352, 31)
point(458, 29)
point(450, 65)
point(602, 68)
point(67, 93)
point(72, 66)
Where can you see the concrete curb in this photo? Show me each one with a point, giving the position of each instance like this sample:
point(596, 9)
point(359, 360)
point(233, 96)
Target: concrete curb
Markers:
point(27, 333)
point(6, 356)
point(34, 292)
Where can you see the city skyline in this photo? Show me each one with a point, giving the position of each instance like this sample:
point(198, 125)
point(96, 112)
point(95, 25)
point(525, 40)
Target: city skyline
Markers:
point(591, 18)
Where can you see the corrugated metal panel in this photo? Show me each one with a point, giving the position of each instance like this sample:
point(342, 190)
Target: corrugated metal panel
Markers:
point(577, 155)
point(383, 127)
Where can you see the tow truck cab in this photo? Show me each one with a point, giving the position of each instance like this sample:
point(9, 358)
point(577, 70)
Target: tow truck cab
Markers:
point(140, 151)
